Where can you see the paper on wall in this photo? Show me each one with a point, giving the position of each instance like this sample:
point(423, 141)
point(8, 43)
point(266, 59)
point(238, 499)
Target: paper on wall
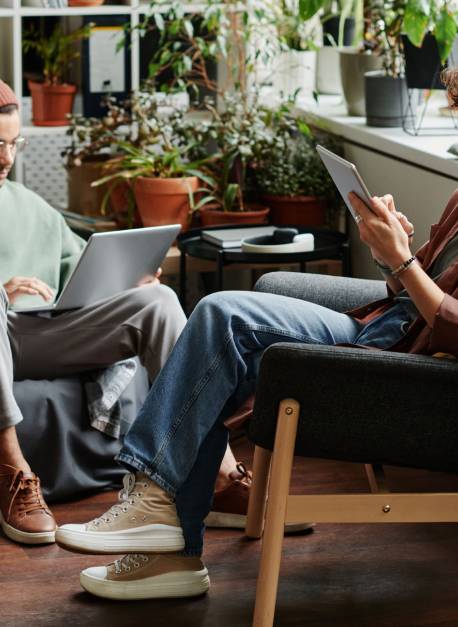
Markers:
point(107, 64)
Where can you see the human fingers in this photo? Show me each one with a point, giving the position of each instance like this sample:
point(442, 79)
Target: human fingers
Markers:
point(150, 279)
point(405, 223)
point(380, 209)
point(360, 208)
point(29, 285)
point(41, 287)
point(367, 214)
point(388, 201)
point(158, 273)
point(14, 293)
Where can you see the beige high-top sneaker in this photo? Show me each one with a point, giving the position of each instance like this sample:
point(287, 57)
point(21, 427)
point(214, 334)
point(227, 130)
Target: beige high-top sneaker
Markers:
point(142, 576)
point(144, 520)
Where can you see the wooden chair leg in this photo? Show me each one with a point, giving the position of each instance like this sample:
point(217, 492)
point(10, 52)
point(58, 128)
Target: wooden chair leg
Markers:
point(258, 493)
point(282, 462)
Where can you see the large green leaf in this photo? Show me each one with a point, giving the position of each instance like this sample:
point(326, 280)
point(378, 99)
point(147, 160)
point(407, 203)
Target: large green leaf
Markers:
point(308, 8)
point(445, 32)
point(416, 20)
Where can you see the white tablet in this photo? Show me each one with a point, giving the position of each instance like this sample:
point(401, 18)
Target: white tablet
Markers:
point(345, 176)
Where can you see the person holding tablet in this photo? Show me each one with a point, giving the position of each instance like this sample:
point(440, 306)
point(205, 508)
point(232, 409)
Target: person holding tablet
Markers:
point(173, 451)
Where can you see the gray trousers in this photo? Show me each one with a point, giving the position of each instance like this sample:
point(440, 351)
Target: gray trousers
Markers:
point(143, 322)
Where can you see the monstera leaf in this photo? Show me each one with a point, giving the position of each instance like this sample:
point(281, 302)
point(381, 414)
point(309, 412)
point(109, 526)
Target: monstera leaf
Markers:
point(416, 20)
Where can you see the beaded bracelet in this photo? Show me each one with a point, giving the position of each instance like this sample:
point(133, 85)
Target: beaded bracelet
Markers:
point(403, 267)
point(383, 269)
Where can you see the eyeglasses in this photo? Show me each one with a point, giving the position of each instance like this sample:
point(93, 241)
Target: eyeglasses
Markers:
point(17, 145)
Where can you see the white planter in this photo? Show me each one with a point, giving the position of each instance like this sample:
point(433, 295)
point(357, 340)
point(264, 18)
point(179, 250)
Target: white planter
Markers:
point(167, 103)
point(295, 69)
point(328, 71)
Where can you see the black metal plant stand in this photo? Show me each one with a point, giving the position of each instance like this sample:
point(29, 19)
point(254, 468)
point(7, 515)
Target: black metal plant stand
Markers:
point(423, 73)
point(412, 120)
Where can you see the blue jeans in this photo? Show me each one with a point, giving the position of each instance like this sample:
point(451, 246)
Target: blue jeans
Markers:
point(179, 438)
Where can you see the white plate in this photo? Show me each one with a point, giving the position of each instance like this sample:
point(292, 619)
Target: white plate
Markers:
point(303, 243)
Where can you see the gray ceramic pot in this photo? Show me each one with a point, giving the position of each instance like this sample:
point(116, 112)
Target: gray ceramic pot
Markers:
point(353, 66)
point(386, 99)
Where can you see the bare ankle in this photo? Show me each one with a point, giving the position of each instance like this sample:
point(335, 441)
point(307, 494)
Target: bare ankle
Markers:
point(10, 451)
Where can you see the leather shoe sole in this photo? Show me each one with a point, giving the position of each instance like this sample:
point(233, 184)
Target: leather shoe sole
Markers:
point(26, 537)
point(222, 520)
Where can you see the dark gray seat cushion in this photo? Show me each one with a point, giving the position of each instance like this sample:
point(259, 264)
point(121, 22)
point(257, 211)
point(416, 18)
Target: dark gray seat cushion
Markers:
point(335, 292)
point(362, 406)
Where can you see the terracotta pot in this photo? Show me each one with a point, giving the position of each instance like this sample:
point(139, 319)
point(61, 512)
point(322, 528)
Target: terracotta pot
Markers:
point(82, 198)
point(164, 201)
point(211, 216)
point(120, 200)
point(51, 103)
point(300, 210)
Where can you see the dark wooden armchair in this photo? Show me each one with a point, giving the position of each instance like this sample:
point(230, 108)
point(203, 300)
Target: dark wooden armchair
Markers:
point(345, 404)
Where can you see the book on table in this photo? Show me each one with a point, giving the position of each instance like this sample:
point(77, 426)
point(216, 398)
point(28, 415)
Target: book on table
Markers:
point(232, 238)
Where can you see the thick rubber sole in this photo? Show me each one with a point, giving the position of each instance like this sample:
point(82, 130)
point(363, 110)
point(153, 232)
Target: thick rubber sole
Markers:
point(24, 537)
point(148, 539)
point(221, 520)
point(171, 585)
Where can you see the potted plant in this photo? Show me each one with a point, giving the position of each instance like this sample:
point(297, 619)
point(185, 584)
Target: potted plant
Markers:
point(398, 25)
point(219, 33)
point(92, 142)
point(162, 183)
point(430, 30)
point(294, 69)
point(342, 22)
point(159, 165)
point(52, 98)
point(290, 176)
point(386, 96)
point(236, 132)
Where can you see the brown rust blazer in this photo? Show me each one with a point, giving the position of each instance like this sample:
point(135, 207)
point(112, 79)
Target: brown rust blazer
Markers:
point(443, 336)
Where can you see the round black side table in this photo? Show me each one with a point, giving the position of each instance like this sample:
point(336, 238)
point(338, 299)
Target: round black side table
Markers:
point(328, 245)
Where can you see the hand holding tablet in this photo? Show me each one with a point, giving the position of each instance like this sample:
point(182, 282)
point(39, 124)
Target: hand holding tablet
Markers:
point(347, 179)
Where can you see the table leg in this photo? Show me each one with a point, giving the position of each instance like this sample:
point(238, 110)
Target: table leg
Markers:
point(219, 270)
point(183, 281)
point(254, 277)
point(346, 259)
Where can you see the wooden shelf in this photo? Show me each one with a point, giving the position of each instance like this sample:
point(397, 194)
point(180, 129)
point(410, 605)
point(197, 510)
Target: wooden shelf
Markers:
point(114, 9)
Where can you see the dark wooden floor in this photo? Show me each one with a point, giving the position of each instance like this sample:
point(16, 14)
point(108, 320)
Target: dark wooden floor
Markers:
point(341, 575)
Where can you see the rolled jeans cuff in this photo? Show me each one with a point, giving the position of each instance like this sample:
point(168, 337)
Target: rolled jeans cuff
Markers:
point(132, 463)
point(10, 420)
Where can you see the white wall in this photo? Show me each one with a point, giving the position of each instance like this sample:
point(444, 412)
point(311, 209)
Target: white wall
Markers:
point(419, 193)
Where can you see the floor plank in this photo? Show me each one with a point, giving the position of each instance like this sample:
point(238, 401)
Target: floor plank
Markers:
point(340, 576)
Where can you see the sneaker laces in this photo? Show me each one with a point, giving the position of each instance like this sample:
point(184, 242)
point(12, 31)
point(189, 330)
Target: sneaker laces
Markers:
point(247, 475)
point(132, 560)
point(27, 491)
point(125, 500)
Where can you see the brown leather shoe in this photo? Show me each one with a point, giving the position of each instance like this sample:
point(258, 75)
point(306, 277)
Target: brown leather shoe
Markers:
point(230, 505)
point(24, 515)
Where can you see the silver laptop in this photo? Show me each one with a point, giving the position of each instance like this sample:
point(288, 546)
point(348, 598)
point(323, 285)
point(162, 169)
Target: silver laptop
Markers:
point(111, 263)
